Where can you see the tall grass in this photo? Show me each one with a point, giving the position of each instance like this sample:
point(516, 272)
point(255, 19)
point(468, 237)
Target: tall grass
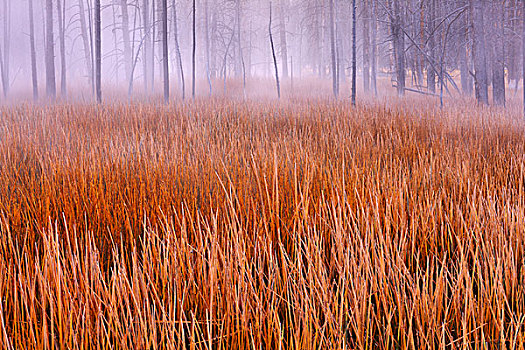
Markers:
point(224, 225)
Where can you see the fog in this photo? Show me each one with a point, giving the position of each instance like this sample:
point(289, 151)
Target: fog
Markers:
point(224, 47)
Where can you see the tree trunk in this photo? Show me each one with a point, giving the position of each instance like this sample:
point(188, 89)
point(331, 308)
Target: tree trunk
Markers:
point(62, 38)
point(177, 49)
point(88, 55)
point(366, 46)
point(50, 52)
point(373, 75)
point(165, 67)
point(282, 32)
point(273, 55)
point(354, 51)
point(243, 68)
point(431, 73)
point(207, 42)
point(126, 38)
point(98, 53)
point(479, 53)
point(466, 81)
point(153, 42)
point(194, 50)
point(498, 62)
point(398, 38)
point(332, 47)
point(148, 60)
point(523, 53)
point(4, 63)
point(34, 75)
point(213, 44)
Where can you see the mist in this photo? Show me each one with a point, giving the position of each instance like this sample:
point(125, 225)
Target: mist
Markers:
point(239, 48)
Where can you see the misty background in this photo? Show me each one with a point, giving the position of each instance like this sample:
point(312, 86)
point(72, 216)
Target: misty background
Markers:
point(48, 47)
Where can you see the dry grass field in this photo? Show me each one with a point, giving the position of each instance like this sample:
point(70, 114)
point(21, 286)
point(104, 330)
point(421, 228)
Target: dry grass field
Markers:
point(304, 224)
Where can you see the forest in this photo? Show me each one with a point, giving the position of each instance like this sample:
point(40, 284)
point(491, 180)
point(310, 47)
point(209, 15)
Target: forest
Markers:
point(258, 174)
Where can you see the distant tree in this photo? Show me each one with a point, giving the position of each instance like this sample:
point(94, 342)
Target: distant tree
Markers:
point(62, 41)
point(479, 51)
point(88, 52)
point(34, 75)
point(50, 52)
point(354, 56)
point(273, 55)
point(98, 53)
point(333, 49)
point(194, 50)
point(498, 54)
point(165, 67)
point(5, 56)
point(177, 49)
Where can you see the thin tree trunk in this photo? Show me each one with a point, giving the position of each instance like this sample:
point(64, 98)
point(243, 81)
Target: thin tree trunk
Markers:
point(126, 39)
point(354, 51)
point(498, 62)
point(282, 32)
point(366, 46)
point(373, 76)
point(194, 51)
point(147, 43)
point(273, 55)
point(34, 75)
point(165, 67)
point(87, 47)
point(523, 53)
point(98, 53)
point(177, 49)
point(398, 38)
point(479, 53)
point(7, 44)
point(62, 38)
point(207, 42)
point(50, 52)
point(240, 48)
point(7, 47)
point(333, 49)
point(431, 73)
point(213, 44)
point(466, 81)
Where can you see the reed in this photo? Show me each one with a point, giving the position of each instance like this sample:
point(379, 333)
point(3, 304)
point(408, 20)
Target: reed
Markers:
point(300, 225)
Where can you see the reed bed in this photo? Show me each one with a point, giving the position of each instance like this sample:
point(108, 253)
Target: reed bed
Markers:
point(229, 225)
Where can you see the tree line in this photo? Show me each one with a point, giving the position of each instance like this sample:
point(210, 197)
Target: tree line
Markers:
point(431, 47)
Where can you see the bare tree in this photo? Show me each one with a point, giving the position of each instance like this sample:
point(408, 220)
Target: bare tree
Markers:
point(34, 74)
point(366, 46)
point(165, 68)
point(126, 39)
point(148, 60)
point(354, 56)
point(98, 53)
point(498, 56)
point(479, 53)
point(88, 53)
point(282, 32)
point(177, 49)
point(50, 52)
point(398, 38)
point(273, 55)
point(4, 61)
point(194, 50)
point(333, 49)
point(62, 41)
point(373, 59)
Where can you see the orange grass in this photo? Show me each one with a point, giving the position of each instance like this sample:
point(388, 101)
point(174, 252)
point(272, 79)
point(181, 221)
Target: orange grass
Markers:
point(301, 225)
